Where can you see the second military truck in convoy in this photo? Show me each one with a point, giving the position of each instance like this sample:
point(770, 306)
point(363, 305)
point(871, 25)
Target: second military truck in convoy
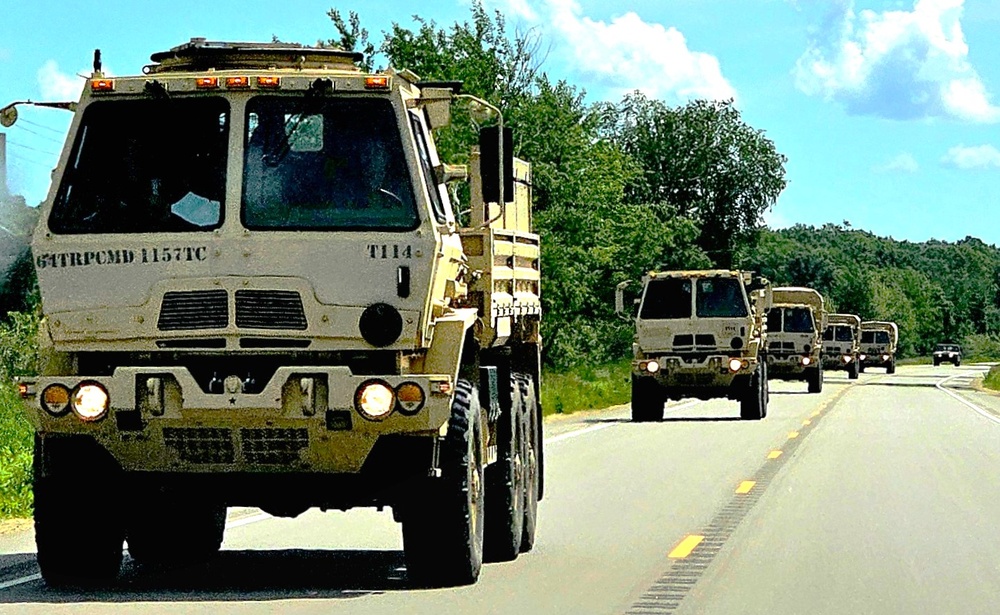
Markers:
point(795, 325)
point(842, 344)
point(699, 334)
point(878, 345)
point(257, 292)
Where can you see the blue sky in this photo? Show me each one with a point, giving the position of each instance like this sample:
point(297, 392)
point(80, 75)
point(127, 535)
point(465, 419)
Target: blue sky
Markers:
point(888, 111)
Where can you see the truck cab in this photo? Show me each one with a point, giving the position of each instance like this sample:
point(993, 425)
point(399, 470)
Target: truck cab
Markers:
point(794, 325)
point(699, 334)
point(842, 344)
point(879, 340)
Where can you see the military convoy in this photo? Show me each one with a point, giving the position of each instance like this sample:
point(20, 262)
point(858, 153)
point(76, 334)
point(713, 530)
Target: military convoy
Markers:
point(878, 345)
point(842, 344)
point(699, 334)
point(257, 292)
point(795, 325)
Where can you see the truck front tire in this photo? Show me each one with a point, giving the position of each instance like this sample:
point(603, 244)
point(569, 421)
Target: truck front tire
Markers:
point(753, 406)
point(815, 380)
point(170, 528)
point(647, 400)
point(533, 467)
point(443, 522)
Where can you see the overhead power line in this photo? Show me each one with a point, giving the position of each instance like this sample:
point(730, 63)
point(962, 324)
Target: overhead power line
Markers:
point(40, 151)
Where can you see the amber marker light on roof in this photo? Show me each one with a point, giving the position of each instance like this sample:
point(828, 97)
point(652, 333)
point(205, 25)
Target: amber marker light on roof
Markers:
point(237, 82)
point(376, 83)
point(269, 82)
point(206, 83)
point(102, 85)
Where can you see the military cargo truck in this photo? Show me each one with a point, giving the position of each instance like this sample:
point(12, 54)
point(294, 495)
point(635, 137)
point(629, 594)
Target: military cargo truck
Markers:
point(699, 334)
point(842, 344)
point(256, 292)
point(795, 324)
point(878, 345)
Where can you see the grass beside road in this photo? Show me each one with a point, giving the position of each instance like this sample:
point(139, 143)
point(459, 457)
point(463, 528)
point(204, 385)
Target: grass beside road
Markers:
point(15, 456)
point(587, 387)
point(992, 379)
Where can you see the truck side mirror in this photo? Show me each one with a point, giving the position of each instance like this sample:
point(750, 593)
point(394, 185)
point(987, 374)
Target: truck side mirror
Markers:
point(489, 164)
point(620, 300)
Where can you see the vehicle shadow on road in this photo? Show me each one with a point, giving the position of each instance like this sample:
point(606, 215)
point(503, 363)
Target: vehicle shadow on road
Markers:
point(235, 576)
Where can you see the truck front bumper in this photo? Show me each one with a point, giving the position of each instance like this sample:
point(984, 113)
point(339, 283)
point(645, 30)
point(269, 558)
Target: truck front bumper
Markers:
point(306, 419)
point(704, 378)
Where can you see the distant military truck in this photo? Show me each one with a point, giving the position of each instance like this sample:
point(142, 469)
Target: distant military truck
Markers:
point(699, 334)
point(257, 292)
point(878, 345)
point(947, 353)
point(842, 344)
point(795, 324)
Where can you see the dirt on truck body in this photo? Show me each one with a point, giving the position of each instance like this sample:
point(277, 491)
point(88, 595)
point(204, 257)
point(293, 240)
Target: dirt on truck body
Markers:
point(699, 334)
point(256, 292)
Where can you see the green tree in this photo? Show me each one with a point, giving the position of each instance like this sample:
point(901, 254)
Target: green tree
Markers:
point(705, 161)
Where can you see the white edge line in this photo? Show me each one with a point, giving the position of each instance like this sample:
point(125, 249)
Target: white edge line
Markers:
point(593, 428)
point(21, 581)
point(940, 386)
point(237, 523)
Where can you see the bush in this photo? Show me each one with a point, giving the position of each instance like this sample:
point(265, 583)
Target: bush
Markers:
point(992, 379)
point(18, 357)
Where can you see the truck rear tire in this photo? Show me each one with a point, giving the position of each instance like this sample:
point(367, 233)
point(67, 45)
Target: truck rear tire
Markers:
point(505, 485)
point(753, 406)
point(815, 380)
point(532, 468)
point(647, 400)
point(443, 523)
point(169, 529)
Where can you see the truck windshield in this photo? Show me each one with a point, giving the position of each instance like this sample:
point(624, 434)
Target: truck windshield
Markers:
point(881, 337)
point(838, 333)
point(330, 164)
point(666, 298)
point(798, 320)
point(720, 298)
point(145, 166)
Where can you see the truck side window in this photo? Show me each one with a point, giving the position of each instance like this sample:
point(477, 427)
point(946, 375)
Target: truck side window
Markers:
point(437, 204)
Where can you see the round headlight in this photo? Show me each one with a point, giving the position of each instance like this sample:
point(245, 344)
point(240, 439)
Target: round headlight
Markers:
point(806, 360)
point(652, 367)
point(409, 398)
point(847, 358)
point(735, 365)
point(885, 357)
point(862, 356)
point(90, 401)
point(375, 400)
point(55, 399)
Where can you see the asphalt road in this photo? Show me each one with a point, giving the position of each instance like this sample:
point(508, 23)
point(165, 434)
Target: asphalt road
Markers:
point(880, 495)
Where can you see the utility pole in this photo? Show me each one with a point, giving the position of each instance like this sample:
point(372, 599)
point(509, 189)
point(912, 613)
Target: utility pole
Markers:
point(4, 193)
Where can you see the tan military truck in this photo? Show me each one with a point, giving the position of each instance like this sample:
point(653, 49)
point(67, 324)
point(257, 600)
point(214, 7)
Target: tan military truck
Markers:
point(256, 292)
point(878, 345)
point(795, 325)
point(699, 334)
point(842, 344)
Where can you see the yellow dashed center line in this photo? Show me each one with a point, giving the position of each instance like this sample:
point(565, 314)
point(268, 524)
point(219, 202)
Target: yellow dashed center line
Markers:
point(774, 454)
point(815, 414)
point(746, 486)
point(792, 435)
point(807, 422)
point(686, 546)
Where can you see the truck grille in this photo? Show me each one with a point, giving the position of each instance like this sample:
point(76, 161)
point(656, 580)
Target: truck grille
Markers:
point(201, 444)
point(269, 309)
point(696, 379)
point(273, 446)
point(194, 309)
point(705, 340)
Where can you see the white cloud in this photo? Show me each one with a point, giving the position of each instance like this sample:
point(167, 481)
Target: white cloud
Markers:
point(974, 157)
point(903, 163)
point(57, 85)
point(897, 64)
point(625, 53)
